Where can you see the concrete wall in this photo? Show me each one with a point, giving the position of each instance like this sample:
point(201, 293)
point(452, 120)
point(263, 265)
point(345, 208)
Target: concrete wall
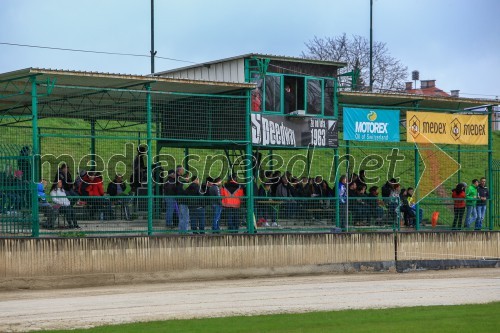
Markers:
point(448, 245)
point(26, 262)
point(47, 263)
point(444, 250)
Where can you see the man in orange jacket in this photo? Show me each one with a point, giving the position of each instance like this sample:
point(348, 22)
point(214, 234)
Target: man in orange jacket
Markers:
point(232, 193)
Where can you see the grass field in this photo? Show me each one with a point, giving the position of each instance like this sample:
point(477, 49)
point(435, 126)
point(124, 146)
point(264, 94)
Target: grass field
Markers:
point(442, 319)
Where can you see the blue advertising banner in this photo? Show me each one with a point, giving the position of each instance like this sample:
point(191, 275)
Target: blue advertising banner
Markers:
point(371, 125)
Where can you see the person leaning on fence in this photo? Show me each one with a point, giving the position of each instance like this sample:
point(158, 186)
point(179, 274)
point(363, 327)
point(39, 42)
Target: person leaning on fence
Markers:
point(58, 197)
point(180, 180)
point(117, 188)
point(214, 192)
point(231, 201)
point(196, 206)
point(342, 191)
point(458, 195)
point(483, 195)
point(471, 196)
point(139, 175)
point(170, 203)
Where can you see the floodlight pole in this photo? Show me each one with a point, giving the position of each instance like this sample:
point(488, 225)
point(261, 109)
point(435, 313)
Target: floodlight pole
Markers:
point(153, 52)
point(371, 45)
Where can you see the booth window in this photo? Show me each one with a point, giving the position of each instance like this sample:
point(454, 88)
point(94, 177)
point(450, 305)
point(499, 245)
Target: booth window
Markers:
point(314, 96)
point(273, 93)
point(329, 90)
point(294, 94)
point(256, 103)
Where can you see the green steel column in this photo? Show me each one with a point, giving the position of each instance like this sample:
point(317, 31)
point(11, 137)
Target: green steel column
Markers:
point(149, 159)
point(186, 159)
point(248, 172)
point(336, 187)
point(271, 163)
point(92, 144)
point(347, 152)
point(308, 161)
point(490, 165)
point(460, 169)
point(39, 172)
point(248, 152)
point(34, 165)
point(417, 190)
point(335, 100)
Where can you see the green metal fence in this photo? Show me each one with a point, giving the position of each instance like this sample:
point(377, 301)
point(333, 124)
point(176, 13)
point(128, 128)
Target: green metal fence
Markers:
point(141, 135)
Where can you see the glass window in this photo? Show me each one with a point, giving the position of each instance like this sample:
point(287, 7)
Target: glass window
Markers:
point(314, 96)
point(256, 104)
point(273, 93)
point(329, 89)
point(294, 94)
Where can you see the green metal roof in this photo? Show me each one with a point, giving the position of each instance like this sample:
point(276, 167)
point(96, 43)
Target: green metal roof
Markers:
point(407, 101)
point(16, 99)
point(118, 81)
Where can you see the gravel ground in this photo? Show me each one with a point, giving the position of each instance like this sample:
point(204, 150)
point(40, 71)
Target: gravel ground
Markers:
point(26, 310)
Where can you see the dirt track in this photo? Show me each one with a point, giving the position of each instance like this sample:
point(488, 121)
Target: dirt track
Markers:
point(71, 308)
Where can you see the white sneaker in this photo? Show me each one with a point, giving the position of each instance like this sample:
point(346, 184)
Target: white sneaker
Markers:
point(266, 224)
point(275, 224)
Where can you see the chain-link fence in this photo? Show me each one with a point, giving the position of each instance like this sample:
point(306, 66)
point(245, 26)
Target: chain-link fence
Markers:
point(135, 161)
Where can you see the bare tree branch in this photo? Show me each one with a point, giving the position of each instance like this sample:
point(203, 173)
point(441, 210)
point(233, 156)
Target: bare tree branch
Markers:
point(388, 72)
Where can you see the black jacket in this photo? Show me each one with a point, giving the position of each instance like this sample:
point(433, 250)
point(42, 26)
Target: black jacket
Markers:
point(386, 190)
point(482, 192)
point(263, 193)
point(66, 179)
point(194, 190)
point(169, 186)
point(113, 188)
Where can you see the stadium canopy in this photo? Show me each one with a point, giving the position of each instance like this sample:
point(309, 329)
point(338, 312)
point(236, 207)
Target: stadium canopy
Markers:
point(16, 87)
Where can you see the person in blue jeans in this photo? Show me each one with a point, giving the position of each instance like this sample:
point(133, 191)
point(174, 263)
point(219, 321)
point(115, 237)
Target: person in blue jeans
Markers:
point(170, 203)
point(471, 199)
point(342, 193)
point(182, 202)
point(483, 195)
point(196, 206)
point(214, 191)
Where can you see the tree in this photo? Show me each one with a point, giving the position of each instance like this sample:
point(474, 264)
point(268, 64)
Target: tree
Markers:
point(388, 72)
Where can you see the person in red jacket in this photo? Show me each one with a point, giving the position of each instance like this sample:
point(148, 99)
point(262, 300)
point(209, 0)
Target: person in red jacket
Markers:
point(458, 194)
point(92, 186)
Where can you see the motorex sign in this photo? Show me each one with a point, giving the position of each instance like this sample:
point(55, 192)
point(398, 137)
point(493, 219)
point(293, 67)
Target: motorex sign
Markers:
point(371, 125)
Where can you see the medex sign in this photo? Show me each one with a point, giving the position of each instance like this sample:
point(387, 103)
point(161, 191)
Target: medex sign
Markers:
point(447, 128)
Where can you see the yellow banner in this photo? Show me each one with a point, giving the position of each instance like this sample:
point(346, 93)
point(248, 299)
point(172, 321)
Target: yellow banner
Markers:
point(458, 129)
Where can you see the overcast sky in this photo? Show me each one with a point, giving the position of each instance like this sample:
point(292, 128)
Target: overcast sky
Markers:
point(456, 42)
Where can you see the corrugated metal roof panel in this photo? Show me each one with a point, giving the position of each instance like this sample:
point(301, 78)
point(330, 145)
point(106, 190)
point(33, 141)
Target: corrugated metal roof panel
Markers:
point(257, 55)
point(405, 100)
point(17, 96)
